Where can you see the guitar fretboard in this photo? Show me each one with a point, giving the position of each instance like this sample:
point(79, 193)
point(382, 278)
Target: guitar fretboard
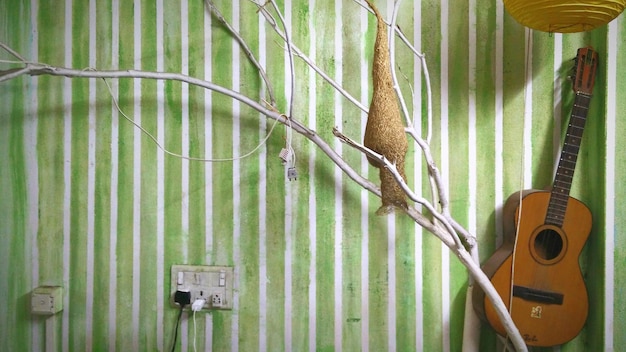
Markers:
point(567, 163)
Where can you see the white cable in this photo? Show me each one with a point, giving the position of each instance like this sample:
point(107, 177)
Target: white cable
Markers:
point(196, 306)
point(179, 155)
point(521, 187)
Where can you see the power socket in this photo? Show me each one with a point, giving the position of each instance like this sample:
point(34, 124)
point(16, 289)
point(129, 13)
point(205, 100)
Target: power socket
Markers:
point(217, 300)
point(211, 284)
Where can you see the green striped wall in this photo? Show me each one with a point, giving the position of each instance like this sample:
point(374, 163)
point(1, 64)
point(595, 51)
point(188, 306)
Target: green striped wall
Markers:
point(91, 204)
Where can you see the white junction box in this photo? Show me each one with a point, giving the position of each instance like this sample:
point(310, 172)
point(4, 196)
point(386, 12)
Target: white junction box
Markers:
point(46, 300)
point(213, 284)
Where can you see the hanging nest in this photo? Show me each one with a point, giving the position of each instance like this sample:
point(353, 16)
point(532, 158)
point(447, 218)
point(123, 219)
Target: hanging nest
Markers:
point(384, 132)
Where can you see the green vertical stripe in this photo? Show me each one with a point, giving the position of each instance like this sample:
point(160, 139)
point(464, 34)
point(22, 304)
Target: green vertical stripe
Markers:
point(485, 137)
point(78, 178)
point(103, 185)
point(197, 211)
point(16, 323)
point(125, 188)
point(458, 149)
point(324, 183)
point(15, 269)
point(148, 197)
point(351, 218)
point(222, 172)
point(431, 247)
point(300, 18)
point(275, 202)
point(405, 260)
point(249, 188)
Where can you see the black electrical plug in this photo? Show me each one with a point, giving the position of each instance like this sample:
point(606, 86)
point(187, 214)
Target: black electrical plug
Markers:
point(183, 298)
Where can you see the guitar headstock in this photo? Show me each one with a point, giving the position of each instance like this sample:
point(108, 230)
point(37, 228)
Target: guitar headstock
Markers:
point(585, 70)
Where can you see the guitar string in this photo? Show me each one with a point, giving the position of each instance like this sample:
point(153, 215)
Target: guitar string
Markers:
point(521, 178)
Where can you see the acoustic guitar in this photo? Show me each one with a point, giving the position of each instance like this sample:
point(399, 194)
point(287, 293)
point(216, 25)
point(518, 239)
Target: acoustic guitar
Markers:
point(548, 302)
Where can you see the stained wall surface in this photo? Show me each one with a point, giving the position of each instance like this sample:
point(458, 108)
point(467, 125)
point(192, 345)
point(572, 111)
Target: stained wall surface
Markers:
point(90, 203)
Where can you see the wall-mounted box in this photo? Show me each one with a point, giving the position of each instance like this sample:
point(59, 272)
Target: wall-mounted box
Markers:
point(46, 300)
point(213, 284)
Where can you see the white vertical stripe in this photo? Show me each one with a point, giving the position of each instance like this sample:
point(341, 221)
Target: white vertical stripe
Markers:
point(557, 109)
point(312, 200)
point(338, 269)
point(499, 120)
point(417, 173)
point(609, 206)
point(67, 177)
point(50, 333)
point(290, 203)
point(184, 206)
point(391, 254)
point(208, 167)
point(471, 333)
point(262, 205)
point(391, 283)
point(289, 220)
point(184, 43)
point(472, 158)
point(365, 214)
point(115, 41)
point(184, 331)
point(32, 176)
point(91, 183)
point(236, 183)
point(208, 137)
point(160, 176)
point(528, 110)
point(136, 294)
point(445, 254)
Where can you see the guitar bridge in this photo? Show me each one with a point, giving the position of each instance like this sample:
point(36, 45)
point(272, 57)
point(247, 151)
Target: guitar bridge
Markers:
point(534, 295)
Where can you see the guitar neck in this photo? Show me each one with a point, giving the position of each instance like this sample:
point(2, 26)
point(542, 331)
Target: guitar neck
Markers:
point(567, 163)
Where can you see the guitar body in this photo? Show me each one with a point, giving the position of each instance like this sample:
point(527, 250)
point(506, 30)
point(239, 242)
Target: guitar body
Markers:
point(539, 278)
point(549, 304)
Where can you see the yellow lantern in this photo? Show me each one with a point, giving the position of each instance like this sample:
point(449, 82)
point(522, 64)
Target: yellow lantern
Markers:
point(564, 16)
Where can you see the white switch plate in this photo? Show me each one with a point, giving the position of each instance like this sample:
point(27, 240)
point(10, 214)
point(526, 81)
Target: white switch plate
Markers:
point(46, 300)
point(214, 284)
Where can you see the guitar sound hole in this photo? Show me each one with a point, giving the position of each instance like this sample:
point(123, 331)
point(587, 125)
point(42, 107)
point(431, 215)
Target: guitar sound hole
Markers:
point(548, 244)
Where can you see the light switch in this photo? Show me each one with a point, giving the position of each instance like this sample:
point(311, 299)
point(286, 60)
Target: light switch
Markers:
point(222, 278)
point(213, 284)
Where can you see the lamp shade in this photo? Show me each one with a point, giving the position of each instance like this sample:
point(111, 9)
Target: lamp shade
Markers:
point(564, 16)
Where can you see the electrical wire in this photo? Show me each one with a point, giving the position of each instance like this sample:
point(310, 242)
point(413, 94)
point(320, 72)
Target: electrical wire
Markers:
point(521, 187)
point(179, 155)
point(180, 313)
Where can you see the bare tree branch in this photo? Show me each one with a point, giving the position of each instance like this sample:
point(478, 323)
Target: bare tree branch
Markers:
point(443, 225)
point(246, 49)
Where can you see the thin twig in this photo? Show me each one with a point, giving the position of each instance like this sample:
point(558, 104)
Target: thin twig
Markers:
point(394, 171)
point(446, 233)
point(292, 69)
point(12, 73)
point(392, 59)
point(299, 53)
point(422, 58)
point(12, 52)
point(246, 49)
